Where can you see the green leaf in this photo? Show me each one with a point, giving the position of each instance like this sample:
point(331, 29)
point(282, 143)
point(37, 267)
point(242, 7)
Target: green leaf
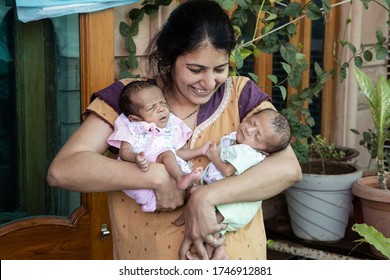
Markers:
point(355, 131)
point(270, 17)
point(381, 52)
point(342, 73)
point(286, 67)
point(133, 62)
point(365, 3)
point(358, 61)
point(238, 59)
point(256, 51)
point(151, 9)
point(245, 53)
point(124, 64)
point(124, 74)
point(351, 47)
point(239, 17)
point(226, 4)
point(383, 97)
point(283, 91)
point(313, 12)
point(301, 152)
point(130, 44)
point(379, 37)
point(326, 6)
point(374, 237)
point(300, 58)
point(254, 77)
point(366, 86)
point(288, 52)
point(245, 4)
point(367, 55)
point(291, 29)
point(124, 29)
point(273, 78)
point(293, 10)
point(134, 28)
point(269, 27)
point(295, 78)
point(136, 14)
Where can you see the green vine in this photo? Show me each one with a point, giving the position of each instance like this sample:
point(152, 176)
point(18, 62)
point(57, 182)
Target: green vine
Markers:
point(136, 15)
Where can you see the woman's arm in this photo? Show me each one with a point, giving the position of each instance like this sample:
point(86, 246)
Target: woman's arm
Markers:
point(81, 166)
point(272, 176)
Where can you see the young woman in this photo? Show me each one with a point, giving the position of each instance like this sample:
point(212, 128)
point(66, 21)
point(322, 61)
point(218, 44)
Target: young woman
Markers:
point(190, 59)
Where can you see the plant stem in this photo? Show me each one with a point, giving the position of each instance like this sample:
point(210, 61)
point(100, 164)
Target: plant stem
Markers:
point(381, 173)
point(258, 20)
point(254, 38)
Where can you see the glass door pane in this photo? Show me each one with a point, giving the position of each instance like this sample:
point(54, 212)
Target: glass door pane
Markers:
point(40, 109)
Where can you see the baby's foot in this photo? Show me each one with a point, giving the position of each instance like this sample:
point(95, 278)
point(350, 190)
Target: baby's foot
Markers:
point(189, 179)
point(191, 256)
point(220, 254)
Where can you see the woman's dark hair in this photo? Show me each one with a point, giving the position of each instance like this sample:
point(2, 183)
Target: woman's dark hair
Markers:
point(126, 101)
point(192, 24)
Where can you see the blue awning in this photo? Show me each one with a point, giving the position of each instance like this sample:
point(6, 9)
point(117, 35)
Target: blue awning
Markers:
point(30, 10)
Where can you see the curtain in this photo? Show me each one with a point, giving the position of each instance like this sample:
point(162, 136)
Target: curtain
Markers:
point(30, 10)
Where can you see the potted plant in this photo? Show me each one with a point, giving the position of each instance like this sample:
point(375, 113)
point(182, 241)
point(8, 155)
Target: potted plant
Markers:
point(319, 205)
point(373, 191)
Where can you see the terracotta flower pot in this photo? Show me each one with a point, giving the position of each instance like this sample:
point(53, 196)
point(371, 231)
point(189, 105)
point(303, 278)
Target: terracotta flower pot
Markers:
point(375, 204)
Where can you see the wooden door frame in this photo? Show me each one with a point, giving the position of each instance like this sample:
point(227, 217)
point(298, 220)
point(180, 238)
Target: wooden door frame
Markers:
point(76, 236)
point(97, 71)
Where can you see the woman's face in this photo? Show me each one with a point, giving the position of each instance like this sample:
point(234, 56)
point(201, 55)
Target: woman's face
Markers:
point(197, 75)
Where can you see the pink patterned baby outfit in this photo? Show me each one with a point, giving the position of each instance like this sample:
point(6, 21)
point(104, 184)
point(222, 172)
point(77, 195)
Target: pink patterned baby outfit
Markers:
point(152, 140)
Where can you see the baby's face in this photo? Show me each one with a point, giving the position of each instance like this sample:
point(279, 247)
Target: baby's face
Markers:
point(154, 106)
point(257, 131)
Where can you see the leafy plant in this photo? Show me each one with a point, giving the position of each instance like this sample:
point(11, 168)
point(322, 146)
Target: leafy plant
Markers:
point(370, 142)
point(374, 237)
point(378, 98)
point(320, 149)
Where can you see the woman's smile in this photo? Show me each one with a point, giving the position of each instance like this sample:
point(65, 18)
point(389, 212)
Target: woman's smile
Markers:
point(201, 92)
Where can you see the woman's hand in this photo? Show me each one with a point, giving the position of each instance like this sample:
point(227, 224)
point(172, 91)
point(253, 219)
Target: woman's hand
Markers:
point(168, 196)
point(201, 223)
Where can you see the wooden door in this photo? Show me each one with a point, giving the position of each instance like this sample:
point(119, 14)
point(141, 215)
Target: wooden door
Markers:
point(79, 235)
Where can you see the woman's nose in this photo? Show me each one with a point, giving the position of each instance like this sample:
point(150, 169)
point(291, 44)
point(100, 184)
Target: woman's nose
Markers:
point(208, 80)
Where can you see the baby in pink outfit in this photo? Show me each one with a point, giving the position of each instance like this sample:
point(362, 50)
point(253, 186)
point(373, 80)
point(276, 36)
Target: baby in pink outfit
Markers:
point(147, 131)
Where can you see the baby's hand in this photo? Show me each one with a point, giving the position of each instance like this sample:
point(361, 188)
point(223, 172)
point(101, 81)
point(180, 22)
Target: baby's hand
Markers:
point(204, 149)
point(142, 162)
point(213, 151)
